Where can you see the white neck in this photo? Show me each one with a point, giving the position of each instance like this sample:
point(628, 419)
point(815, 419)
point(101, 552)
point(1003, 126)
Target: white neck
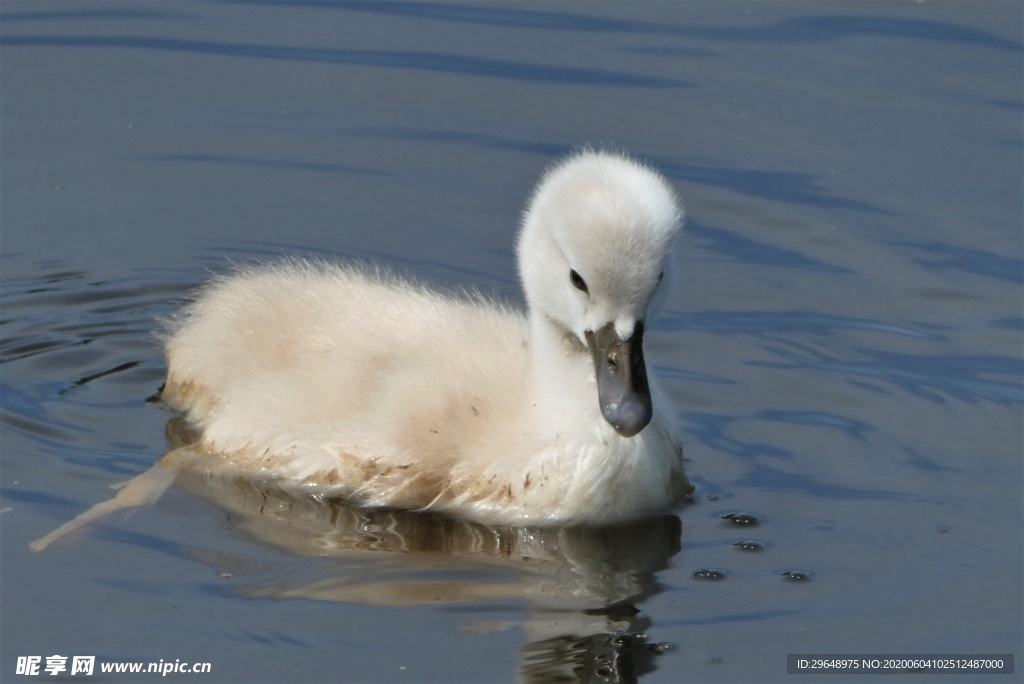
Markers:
point(562, 374)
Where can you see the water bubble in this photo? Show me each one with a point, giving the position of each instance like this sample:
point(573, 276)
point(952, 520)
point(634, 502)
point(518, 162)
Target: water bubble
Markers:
point(744, 519)
point(710, 574)
point(796, 575)
point(748, 545)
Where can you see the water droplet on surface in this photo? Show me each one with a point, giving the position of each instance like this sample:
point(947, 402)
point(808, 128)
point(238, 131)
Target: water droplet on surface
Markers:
point(749, 545)
point(796, 575)
point(710, 574)
point(744, 519)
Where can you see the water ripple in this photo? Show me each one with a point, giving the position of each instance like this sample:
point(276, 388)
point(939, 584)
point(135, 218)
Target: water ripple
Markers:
point(492, 15)
point(925, 463)
point(763, 323)
point(798, 29)
point(798, 188)
point(976, 261)
point(266, 163)
point(710, 429)
point(768, 477)
point(853, 428)
point(1010, 323)
point(680, 374)
point(101, 15)
point(931, 377)
point(396, 59)
point(78, 350)
point(743, 249)
point(804, 29)
point(778, 186)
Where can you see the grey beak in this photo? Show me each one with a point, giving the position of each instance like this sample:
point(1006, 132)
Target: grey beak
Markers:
point(622, 388)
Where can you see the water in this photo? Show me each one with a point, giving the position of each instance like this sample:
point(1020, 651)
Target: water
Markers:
point(843, 335)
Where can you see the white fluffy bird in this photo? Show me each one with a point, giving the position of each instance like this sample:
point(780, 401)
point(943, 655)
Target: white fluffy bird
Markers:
point(348, 382)
point(345, 382)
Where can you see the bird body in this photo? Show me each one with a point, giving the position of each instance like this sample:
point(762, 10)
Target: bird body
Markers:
point(348, 381)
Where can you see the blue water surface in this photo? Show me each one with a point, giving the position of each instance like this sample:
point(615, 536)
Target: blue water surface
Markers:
point(842, 338)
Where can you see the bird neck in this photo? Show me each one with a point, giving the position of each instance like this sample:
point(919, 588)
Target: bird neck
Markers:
point(561, 368)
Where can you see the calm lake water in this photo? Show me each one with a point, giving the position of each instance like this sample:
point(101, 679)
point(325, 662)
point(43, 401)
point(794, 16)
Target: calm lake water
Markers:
point(843, 336)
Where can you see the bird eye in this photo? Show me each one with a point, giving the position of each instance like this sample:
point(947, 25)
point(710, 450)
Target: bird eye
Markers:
point(578, 282)
point(661, 276)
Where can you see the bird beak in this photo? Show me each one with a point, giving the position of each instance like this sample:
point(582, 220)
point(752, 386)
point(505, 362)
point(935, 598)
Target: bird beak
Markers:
point(622, 388)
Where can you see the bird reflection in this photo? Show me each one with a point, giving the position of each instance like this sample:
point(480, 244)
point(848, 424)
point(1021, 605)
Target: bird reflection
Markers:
point(580, 584)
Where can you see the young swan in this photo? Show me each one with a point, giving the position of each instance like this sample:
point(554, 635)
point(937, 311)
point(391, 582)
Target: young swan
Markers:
point(347, 382)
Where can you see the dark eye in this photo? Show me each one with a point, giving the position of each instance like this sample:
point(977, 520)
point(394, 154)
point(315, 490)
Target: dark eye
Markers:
point(577, 281)
point(661, 276)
